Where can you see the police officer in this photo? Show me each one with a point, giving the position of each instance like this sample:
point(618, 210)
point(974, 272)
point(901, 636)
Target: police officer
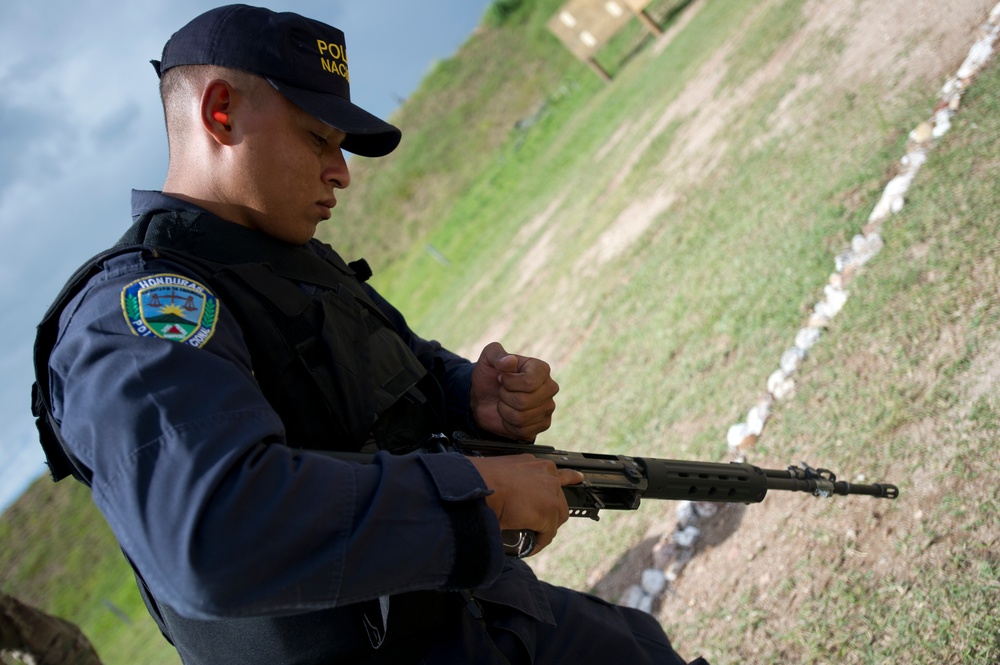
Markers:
point(187, 374)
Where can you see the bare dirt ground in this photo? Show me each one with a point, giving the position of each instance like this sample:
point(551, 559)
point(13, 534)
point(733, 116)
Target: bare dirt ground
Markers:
point(895, 44)
point(892, 44)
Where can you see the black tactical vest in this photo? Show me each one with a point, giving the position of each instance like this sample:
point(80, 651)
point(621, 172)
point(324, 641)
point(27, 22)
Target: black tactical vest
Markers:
point(339, 375)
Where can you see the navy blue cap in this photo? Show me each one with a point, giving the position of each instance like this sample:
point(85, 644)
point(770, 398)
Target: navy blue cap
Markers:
point(305, 60)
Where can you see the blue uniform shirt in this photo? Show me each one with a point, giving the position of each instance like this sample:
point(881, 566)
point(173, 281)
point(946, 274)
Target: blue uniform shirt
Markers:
point(220, 522)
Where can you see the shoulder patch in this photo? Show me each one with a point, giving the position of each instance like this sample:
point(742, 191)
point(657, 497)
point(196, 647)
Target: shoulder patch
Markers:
point(170, 307)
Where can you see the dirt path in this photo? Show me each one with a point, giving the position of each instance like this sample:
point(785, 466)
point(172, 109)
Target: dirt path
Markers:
point(893, 44)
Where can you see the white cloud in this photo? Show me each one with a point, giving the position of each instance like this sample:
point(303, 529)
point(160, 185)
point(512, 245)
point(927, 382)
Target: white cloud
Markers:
point(81, 124)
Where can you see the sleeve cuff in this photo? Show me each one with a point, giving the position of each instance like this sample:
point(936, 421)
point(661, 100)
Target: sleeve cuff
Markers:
point(478, 547)
point(455, 477)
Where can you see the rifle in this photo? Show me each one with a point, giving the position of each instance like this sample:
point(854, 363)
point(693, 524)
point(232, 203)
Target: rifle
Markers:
point(619, 482)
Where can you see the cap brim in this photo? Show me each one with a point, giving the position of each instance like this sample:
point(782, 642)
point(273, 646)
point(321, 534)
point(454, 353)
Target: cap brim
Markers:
point(367, 135)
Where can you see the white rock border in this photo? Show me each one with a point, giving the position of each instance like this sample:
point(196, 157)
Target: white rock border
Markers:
point(672, 553)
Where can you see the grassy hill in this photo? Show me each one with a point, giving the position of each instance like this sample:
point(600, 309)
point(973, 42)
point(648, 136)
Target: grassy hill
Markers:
point(660, 240)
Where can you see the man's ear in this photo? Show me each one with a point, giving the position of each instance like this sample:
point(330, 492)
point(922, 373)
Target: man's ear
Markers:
point(216, 102)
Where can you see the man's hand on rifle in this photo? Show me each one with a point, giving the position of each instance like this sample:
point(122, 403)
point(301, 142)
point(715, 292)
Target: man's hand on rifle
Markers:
point(512, 395)
point(527, 493)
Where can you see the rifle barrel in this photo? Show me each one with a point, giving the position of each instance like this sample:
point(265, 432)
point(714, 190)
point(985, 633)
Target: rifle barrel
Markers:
point(740, 482)
point(823, 483)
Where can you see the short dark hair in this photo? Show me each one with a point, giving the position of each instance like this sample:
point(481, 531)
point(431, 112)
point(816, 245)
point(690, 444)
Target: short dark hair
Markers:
point(179, 84)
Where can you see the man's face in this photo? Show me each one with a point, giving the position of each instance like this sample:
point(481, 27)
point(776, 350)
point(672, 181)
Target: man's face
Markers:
point(287, 166)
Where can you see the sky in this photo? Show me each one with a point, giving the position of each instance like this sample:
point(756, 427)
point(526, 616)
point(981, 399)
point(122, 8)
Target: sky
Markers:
point(81, 125)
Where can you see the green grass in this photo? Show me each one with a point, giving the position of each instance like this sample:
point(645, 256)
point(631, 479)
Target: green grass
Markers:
point(767, 30)
point(514, 169)
point(894, 391)
point(59, 555)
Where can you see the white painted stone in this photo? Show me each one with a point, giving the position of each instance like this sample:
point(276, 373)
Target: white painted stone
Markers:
point(806, 338)
point(632, 597)
point(686, 513)
point(706, 509)
point(978, 55)
point(942, 123)
point(779, 384)
point(653, 581)
point(791, 358)
point(685, 537)
point(757, 417)
point(736, 434)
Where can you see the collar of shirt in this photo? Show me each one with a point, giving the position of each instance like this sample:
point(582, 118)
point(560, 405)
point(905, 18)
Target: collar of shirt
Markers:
point(144, 201)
